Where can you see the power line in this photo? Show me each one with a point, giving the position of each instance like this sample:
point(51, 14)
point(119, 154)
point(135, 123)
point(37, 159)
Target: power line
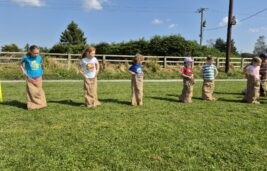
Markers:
point(242, 20)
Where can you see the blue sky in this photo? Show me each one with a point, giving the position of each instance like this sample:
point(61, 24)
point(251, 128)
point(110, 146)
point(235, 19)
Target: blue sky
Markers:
point(42, 21)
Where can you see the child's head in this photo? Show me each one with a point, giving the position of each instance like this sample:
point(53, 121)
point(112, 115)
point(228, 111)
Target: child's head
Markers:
point(263, 57)
point(33, 51)
point(89, 52)
point(256, 61)
point(209, 60)
point(188, 61)
point(138, 59)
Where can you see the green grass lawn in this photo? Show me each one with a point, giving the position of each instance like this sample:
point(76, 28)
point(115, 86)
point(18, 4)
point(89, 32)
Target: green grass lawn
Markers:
point(164, 134)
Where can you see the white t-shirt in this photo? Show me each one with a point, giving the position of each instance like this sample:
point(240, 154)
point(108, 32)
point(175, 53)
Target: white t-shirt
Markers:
point(89, 67)
point(254, 70)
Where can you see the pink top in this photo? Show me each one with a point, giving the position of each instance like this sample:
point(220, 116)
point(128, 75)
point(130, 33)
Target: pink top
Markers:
point(254, 70)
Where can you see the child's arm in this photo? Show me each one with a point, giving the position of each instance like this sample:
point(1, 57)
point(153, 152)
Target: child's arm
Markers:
point(132, 73)
point(22, 69)
point(80, 69)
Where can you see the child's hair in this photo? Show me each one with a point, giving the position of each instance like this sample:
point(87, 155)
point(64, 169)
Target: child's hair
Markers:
point(138, 58)
point(88, 50)
point(209, 58)
point(256, 60)
point(32, 47)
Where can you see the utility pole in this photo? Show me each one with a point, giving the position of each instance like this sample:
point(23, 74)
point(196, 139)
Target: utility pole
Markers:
point(231, 22)
point(202, 24)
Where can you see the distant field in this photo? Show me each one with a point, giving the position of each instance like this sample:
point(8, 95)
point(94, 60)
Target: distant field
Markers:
point(164, 134)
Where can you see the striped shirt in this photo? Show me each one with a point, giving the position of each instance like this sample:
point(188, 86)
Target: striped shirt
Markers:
point(209, 72)
point(263, 71)
point(187, 71)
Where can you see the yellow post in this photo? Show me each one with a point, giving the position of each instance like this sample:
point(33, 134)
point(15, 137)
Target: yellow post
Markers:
point(1, 96)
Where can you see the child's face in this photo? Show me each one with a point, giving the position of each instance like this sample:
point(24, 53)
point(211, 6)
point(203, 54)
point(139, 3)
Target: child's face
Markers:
point(91, 54)
point(188, 64)
point(140, 62)
point(256, 63)
point(34, 52)
point(210, 61)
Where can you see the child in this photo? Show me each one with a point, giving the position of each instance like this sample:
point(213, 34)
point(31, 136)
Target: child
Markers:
point(188, 80)
point(263, 74)
point(253, 81)
point(89, 68)
point(209, 72)
point(35, 93)
point(137, 80)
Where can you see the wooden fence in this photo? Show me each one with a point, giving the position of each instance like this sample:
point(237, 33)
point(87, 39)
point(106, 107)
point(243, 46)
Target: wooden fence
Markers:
point(11, 58)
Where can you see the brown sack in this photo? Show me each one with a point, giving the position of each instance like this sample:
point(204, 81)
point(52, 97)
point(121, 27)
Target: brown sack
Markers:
point(187, 92)
point(207, 90)
point(253, 88)
point(137, 90)
point(90, 92)
point(35, 95)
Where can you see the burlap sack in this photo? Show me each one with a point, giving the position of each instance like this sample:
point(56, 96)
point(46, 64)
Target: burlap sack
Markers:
point(90, 92)
point(253, 87)
point(35, 95)
point(137, 90)
point(187, 93)
point(208, 89)
point(263, 87)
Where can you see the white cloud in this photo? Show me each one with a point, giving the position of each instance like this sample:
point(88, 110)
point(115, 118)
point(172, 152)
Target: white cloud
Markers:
point(157, 21)
point(224, 22)
point(93, 4)
point(257, 30)
point(33, 3)
point(172, 26)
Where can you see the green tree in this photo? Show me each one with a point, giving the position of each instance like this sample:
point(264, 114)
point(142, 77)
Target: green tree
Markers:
point(27, 47)
point(73, 35)
point(72, 40)
point(260, 45)
point(10, 48)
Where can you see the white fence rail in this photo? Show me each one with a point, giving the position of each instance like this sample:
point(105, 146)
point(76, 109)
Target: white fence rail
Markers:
point(164, 61)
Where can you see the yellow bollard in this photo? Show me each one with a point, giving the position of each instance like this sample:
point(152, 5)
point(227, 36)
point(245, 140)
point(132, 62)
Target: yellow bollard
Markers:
point(1, 96)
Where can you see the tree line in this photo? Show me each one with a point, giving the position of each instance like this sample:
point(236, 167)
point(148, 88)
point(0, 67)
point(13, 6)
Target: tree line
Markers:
point(73, 40)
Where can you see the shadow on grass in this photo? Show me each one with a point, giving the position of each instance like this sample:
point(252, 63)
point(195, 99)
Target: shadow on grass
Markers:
point(67, 102)
point(166, 99)
point(228, 93)
point(15, 103)
point(231, 100)
point(115, 101)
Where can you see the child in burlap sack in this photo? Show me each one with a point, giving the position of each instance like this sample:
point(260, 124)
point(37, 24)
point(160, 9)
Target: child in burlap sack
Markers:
point(263, 75)
point(209, 72)
point(253, 81)
point(33, 72)
point(188, 80)
point(137, 80)
point(89, 68)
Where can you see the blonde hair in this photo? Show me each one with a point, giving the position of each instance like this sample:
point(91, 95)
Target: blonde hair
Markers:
point(138, 58)
point(256, 60)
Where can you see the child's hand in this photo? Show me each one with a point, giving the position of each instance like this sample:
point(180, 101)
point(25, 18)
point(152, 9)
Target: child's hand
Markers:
point(81, 72)
point(24, 73)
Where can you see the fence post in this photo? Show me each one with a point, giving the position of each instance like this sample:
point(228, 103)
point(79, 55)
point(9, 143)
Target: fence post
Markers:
point(193, 64)
point(217, 62)
point(69, 61)
point(242, 63)
point(165, 62)
point(104, 59)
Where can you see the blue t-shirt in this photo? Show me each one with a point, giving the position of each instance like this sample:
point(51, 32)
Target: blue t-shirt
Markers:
point(33, 66)
point(137, 69)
